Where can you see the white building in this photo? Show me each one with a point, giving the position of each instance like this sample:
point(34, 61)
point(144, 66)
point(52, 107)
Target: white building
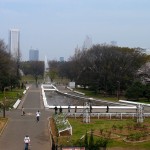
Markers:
point(14, 43)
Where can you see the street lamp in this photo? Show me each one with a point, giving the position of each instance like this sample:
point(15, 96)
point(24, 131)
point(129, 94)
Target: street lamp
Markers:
point(118, 90)
point(4, 101)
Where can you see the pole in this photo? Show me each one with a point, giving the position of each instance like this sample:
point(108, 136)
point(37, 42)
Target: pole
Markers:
point(118, 90)
point(4, 102)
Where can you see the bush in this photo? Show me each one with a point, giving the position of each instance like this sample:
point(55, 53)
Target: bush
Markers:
point(102, 142)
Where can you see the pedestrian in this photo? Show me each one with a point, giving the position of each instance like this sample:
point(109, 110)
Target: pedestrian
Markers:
point(22, 110)
point(26, 141)
point(60, 110)
point(38, 115)
point(75, 110)
point(69, 109)
point(107, 109)
point(55, 108)
point(90, 108)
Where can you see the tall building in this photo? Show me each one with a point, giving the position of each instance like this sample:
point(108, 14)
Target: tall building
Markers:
point(33, 55)
point(87, 43)
point(61, 59)
point(14, 43)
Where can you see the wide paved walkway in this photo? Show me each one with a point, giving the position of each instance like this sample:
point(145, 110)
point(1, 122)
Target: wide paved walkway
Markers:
point(18, 126)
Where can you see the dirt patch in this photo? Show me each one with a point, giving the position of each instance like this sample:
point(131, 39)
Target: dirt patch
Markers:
point(3, 122)
point(53, 127)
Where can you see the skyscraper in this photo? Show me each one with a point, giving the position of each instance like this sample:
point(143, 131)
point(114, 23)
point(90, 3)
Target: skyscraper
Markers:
point(61, 59)
point(33, 55)
point(14, 43)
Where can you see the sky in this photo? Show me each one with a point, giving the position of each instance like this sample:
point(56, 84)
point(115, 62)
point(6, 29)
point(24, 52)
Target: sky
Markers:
point(57, 27)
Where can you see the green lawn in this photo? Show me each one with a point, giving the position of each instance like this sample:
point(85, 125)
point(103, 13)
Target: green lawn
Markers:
point(11, 96)
point(108, 98)
point(80, 128)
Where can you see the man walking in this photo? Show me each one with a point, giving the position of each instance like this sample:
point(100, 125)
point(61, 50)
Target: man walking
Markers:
point(55, 109)
point(23, 112)
point(38, 116)
point(107, 109)
point(27, 141)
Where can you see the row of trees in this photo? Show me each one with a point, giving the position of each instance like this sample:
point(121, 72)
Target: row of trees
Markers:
point(103, 68)
point(8, 68)
point(34, 68)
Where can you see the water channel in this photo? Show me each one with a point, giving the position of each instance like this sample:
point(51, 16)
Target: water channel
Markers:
point(56, 99)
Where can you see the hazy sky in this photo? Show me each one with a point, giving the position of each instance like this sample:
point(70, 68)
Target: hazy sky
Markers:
point(56, 27)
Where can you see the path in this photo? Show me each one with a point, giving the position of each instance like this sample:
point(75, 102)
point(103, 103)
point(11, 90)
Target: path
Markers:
point(19, 126)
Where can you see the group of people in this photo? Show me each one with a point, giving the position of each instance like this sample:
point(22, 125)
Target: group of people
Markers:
point(60, 109)
point(75, 110)
point(27, 138)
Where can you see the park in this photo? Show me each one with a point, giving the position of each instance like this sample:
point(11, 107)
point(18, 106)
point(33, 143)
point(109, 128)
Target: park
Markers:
point(81, 107)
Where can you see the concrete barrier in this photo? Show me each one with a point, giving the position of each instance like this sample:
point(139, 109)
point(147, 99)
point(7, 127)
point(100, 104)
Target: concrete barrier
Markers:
point(16, 104)
point(24, 92)
point(133, 103)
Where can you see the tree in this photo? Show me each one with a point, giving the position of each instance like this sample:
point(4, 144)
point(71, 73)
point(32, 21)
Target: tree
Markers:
point(86, 141)
point(91, 141)
point(147, 91)
point(8, 73)
point(102, 66)
point(135, 91)
point(34, 68)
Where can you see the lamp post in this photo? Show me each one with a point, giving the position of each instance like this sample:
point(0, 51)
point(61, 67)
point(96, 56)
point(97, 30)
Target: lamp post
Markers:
point(118, 90)
point(4, 103)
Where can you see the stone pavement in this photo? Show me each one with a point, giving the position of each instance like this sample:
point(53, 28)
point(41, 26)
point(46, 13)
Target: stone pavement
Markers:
point(18, 126)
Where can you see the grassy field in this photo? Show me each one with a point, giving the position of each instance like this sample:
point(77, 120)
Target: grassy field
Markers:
point(11, 96)
point(117, 130)
point(108, 98)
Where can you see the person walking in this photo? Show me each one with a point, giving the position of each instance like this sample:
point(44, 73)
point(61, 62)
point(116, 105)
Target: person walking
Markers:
point(26, 141)
point(60, 110)
point(90, 108)
point(55, 108)
point(23, 112)
point(75, 110)
point(69, 109)
point(38, 116)
point(107, 109)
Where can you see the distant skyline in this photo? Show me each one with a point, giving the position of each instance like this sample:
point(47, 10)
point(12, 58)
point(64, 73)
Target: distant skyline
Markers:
point(57, 27)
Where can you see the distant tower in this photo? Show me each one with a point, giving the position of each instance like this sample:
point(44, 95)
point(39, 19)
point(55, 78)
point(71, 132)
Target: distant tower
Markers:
point(46, 65)
point(33, 55)
point(14, 43)
point(61, 59)
point(46, 71)
point(113, 43)
point(87, 43)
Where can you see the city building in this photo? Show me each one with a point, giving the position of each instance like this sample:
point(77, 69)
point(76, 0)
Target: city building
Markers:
point(33, 55)
point(87, 43)
point(14, 43)
point(61, 59)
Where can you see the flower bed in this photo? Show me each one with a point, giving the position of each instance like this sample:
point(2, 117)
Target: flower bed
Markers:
point(62, 124)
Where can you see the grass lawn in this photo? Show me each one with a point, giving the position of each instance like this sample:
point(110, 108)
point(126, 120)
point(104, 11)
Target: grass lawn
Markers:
point(116, 129)
point(3, 122)
point(100, 96)
point(11, 96)
point(108, 98)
